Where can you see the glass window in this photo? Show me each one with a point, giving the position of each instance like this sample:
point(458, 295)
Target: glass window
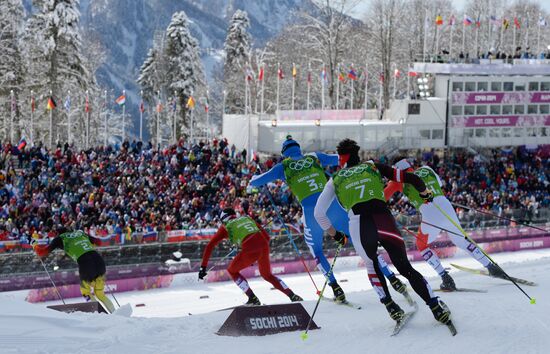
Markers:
point(468, 133)
point(458, 86)
point(519, 87)
point(534, 86)
point(519, 109)
point(481, 109)
point(518, 132)
point(456, 110)
point(424, 133)
point(469, 110)
point(545, 86)
point(506, 132)
point(532, 109)
point(482, 86)
point(507, 109)
point(481, 133)
point(494, 133)
point(508, 86)
point(470, 86)
point(496, 86)
point(531, 132)
point(437, 134)
point(544, 109)
point(543, 131)
point(495, 109)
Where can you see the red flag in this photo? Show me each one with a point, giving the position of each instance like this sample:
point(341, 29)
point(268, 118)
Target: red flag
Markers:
point(309, 77)
point(33, 104)
point(280, 73)
point(397, 73)
point(413, 74)
point(87, 105)
point(516, 23)
point(261, 74)
point(381, 77)
point(141, 107)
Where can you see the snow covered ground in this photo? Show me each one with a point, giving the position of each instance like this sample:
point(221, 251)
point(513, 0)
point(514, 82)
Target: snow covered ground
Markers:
point(499, 321)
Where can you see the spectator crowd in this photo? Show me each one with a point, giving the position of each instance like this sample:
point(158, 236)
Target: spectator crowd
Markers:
point(135, 187)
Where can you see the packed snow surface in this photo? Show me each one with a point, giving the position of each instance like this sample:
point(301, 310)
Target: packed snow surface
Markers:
point(178, 320)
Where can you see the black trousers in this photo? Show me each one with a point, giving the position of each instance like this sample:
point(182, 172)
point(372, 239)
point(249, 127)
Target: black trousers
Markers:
point(91, 266)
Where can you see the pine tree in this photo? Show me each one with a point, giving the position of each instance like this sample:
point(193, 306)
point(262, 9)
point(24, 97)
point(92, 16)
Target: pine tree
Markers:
point(11, 65)
point(237, 54)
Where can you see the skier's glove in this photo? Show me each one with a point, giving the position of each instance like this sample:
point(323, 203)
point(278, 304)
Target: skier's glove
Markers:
point(340, 238)
point(427, 196)
point(202, 272)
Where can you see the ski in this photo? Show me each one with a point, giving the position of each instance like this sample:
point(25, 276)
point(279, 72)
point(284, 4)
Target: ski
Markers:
point(409, 299)
point(344, 303)
point(461, 290)
point(232, 307)
point(450, 325)
point(486, 273)
point(401, 323)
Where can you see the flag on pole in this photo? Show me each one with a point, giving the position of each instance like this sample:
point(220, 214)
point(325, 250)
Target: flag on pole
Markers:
point(190, 102)
point(542, 21)
point(33, 104)
point(467, 20)
point(517, 23)
point(494, 20)
point(452, 20)
point(294, 71)
point(87, 105)
point(67, 103)
point(280, 73)
point(352, 74)
point(439, 20)
point(159, 107)
point(206, 105)
point(505, 23)
point(309, 77)
point(121, 100)
point(324, 78)
point(249, 74)
point(141, 107)
point(341, 76)
point(51, 104)
point(261, 73)
point(478, 22)
point(22, 144)
point(397, 73)
point(174, 104)
point(381, 78)
point(413, 74)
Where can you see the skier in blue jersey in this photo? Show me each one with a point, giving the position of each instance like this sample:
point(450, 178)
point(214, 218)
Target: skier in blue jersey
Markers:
point(305, 175)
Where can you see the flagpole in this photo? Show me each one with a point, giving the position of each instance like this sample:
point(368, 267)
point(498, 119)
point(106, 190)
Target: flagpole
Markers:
point(293, 83)
point(538, 37)
point(338, 88)
point(246, 92)
point(425, 36)
point(87, 123)
point(124, 117)
point(32, 118)
point(278, 82)
point(394, 81)
point(409, 82)
point(323, 79)
point(527, 33)
point(175, 126)
point(105, 119)
point(159, 107)
point(514, 34)
point(463, 34)
point(141, 118)
point(262, 96)
point(381, 88)
point(51, 123)
point(501, 41)
point(366, 86)
point(208, 114)
point(352, 86)
point(477, 33)
point(308, 83)
point(437, 42)
point(12, 115)
point(69, 118)
point(451, 37)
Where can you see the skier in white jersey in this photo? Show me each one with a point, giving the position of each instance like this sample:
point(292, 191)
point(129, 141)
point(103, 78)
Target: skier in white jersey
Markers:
point(428, 232)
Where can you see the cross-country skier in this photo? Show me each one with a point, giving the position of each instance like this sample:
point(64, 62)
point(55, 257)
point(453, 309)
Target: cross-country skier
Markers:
point(306, 178)
point(253, 242)
point(428, 233)
point(91, 267)
point(359, 188)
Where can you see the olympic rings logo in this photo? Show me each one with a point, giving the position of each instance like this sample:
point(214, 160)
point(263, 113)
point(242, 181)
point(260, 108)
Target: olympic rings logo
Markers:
point(348, 172)
point(301, 164)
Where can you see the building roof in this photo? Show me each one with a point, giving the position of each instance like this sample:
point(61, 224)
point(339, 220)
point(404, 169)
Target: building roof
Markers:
point(526, 67)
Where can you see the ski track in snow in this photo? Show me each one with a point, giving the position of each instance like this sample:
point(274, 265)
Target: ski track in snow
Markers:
point(500, 321)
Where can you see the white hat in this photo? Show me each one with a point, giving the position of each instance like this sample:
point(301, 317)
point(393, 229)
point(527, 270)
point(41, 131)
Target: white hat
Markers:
point(402, 164)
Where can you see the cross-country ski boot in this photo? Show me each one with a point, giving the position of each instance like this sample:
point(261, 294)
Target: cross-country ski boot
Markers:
point(496, 271)
point(401, 288)
point(396, 313)
point(338, 292)
point(294, 298)
point(448, 282)
point(253, 301)
point(440, 311)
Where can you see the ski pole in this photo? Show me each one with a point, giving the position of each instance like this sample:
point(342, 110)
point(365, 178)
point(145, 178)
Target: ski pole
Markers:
point(223, 259)
point(112, 294)
point(304, 335)
point(49, 276)
point(498, 216)
point(532, 300)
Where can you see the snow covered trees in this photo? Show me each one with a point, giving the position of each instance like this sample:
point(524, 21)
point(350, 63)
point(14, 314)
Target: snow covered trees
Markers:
point(237, 55)
point(172, 71)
